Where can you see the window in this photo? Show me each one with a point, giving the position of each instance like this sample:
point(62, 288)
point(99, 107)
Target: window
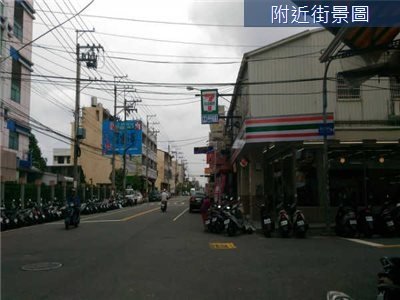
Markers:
point(18, 21)
point(13, 140)
point(68, 159)
point(60, 159)
point(97, 115)
point(395, 88)
point(346, 91)
point(16, 81)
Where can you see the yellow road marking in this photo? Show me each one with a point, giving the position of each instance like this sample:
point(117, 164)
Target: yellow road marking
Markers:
point(106, 214)
point(139, 214)
point(222, 246)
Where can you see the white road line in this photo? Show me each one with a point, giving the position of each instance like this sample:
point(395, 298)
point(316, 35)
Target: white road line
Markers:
point(101, 221)
point(181, 214)
point(365, 242)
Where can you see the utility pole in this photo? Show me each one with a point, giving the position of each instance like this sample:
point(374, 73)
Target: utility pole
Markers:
point(127, 107)
point(90, 57)
point(113, 189)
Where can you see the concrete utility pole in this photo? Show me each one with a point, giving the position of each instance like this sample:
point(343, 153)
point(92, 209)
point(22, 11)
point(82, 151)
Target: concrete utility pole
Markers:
point(90, 58)
point(127, 107)
point(114, 135)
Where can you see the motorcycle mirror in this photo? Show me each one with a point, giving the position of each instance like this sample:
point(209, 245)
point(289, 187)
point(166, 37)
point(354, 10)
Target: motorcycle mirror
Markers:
point(239, 198)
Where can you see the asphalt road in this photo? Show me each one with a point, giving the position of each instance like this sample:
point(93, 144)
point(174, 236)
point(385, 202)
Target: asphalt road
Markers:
point(141, 253)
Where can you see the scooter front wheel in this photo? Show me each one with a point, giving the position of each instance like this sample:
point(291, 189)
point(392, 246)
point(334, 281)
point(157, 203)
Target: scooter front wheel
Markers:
point(231, 229)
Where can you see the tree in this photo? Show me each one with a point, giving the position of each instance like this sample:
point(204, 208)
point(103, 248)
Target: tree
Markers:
point(37, 160)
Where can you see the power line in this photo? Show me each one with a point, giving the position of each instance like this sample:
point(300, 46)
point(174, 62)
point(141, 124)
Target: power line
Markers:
point(158, 21)
point(48, 31)
point(168, 41)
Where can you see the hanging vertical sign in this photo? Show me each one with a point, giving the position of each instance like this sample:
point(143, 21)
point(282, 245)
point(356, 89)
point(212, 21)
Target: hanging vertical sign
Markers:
point(209, 106)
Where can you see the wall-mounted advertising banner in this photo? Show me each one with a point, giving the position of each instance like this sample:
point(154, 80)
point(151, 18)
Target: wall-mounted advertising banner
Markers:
point(209, 106)
point(128, 136)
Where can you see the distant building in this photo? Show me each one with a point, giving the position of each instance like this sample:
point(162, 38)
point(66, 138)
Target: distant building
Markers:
point(164, 170)
point(62, 157)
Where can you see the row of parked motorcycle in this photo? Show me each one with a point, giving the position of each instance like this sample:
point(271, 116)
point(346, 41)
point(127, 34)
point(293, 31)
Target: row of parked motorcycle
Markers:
point(228, 217)
point(366, 222)
point(49, 211)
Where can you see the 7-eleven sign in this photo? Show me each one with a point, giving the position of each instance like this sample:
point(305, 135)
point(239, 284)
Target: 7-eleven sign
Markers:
point(209, 106)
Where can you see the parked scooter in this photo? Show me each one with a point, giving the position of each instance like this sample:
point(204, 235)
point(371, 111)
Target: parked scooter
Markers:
point(365, 221)
point(235, 221)
point(284, 224)
point(385, 222)
point(388, 282)
point(300, 226)
point(215, 219)
point(346, 222)
point(267, 224)
point(389, 279)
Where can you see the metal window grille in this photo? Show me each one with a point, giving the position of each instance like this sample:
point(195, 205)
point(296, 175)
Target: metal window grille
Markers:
point(13, 140)
point(395, 88)
point(345, 91)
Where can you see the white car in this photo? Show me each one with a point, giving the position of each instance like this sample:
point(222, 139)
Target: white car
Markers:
point(138, 197)
point(134, 197)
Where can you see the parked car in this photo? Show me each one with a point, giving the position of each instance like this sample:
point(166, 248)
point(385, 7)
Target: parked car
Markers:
point(138, 197)
point(154, 196)
point(196, 200)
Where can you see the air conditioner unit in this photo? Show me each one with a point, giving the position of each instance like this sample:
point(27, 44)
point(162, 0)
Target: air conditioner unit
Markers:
point(396, 107)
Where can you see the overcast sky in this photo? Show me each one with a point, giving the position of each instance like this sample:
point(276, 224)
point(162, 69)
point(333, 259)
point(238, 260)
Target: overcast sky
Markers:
point(177, 110)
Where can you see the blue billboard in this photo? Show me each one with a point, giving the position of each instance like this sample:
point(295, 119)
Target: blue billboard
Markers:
point(128, 136)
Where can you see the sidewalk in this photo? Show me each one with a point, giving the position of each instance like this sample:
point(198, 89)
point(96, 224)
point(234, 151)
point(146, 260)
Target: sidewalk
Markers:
point(314, 228)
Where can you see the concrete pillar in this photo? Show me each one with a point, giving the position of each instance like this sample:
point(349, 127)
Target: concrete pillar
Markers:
point(91, 192)
point(22, 193)
point(98, 192)
point(64, 187)
point(83, 192)
point(244, 187)
point(256, 183)
point(294, 169)
point(52, 191)
point(318, 156)
point(104, 191)
point(2, 193)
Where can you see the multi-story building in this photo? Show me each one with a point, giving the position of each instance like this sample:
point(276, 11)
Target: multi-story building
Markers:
point(15, 92)
point(149, 156)
point(97, 166)
point(62, 157)
point(276, 125)
point(164, 170)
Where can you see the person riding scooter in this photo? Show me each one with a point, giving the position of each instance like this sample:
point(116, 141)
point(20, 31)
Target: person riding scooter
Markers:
point(164, 200)
point(72, 213)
